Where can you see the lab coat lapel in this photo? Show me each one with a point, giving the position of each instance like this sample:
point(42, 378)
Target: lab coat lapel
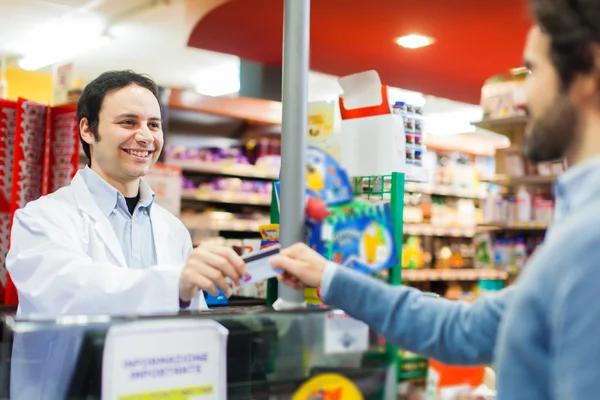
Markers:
point(160, 232)
point(87, 204)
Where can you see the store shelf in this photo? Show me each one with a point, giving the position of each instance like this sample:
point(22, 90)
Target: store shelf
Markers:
point(431, 230)
point(238, 170)
point(504, 126)
point(442, 190)
point(464, 274)
point(531, 226)
point(254, 199)
point(203, 223)
point(412, 375)
point(522, 180)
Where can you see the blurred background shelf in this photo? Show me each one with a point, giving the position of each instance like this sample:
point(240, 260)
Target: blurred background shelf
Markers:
point(225, 169)
point(459, 274)
point(242, 198)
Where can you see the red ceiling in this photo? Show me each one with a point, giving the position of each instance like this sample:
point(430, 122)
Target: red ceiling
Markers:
point(475, 39)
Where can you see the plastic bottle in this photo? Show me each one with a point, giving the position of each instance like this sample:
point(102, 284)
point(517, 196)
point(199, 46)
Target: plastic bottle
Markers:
point(498, 253)
point(520, 252)
point(523, 205)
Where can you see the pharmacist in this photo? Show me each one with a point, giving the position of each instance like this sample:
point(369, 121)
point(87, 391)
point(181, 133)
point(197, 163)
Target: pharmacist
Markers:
point(102, 245)
point(543, 333)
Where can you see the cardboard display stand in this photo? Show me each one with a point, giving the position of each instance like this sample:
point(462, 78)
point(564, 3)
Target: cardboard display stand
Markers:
point(45, 157)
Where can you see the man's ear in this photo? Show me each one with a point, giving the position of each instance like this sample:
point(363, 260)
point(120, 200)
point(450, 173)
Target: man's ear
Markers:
point(86, 132)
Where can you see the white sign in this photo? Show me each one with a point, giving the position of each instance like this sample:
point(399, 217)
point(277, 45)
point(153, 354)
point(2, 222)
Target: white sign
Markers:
point(182, 359)
point(344, 334)
point(165, 181)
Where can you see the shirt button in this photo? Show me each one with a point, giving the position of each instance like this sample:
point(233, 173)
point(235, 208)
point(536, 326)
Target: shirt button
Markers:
point(119, 196)
point(114, 211)
point(145, 212)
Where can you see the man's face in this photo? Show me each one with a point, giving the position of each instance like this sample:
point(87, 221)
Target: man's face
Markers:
point(131, 136)
point(552, 129)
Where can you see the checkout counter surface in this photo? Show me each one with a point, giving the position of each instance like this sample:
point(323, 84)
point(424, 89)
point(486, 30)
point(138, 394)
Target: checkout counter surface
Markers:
point(269, 354)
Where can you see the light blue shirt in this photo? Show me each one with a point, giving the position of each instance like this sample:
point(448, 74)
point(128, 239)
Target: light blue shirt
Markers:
point(134, 232)
point(543, 334)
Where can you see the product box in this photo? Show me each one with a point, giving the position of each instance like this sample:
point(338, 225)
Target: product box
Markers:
point(359, 236)
point(372, 137)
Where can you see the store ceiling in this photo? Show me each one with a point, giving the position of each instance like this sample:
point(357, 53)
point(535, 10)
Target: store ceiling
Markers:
point(474, 39)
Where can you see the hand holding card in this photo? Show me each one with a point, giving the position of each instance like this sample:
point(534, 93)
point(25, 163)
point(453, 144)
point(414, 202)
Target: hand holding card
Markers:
point(259, 266)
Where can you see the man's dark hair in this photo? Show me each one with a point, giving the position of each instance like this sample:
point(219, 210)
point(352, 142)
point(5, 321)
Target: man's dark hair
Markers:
point(93, 95)
point(573, 26)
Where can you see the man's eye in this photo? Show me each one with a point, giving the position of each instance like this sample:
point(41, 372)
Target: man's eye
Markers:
point(128, 122)
point(155, 125)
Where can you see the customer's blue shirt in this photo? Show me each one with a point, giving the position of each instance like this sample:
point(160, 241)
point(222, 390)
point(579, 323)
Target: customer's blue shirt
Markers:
point(543, 334)
point(134, 232)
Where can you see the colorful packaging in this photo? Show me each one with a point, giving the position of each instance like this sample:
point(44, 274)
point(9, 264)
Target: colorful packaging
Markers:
point(359, 236)
point(269, 234)
point(325, 179)
point(8, 117)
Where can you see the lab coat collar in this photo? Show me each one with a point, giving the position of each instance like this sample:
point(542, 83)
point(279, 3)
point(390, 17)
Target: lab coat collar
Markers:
point(86, 203)
point(108, 198)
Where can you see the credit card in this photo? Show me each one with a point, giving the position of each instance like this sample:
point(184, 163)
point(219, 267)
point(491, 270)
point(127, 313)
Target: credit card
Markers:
point(258, 265)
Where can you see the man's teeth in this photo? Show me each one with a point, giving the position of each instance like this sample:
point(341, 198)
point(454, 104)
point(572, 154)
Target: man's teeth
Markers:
point(139, 153)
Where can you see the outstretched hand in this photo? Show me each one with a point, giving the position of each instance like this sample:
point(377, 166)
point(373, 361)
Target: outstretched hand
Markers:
point(302, 266)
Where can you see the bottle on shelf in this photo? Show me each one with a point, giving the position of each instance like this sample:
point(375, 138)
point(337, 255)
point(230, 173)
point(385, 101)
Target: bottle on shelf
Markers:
point(523, 202)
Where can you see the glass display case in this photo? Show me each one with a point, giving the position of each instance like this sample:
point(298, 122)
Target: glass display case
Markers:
point(269, 355)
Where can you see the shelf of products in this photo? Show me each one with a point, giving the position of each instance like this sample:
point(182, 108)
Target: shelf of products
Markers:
point(443, 190)
point(528, 225)
point(461, 274)
point(432, 230)
point(523, 180)
point(244, 198)
point(225, 168)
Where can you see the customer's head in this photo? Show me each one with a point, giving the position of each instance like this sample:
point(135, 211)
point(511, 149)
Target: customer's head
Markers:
point(563, 88)
point(120, 125)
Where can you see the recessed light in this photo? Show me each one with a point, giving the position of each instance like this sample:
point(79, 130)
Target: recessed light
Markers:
point(414, 41)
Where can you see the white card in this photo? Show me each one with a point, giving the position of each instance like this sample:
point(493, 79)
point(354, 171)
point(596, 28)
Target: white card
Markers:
point(258, 265)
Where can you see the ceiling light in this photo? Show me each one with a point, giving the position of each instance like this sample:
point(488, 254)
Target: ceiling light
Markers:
point(218, 80)
point(414, 41)
point(59, 40)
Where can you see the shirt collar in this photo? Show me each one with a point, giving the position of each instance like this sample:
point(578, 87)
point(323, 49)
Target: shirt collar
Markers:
point(578, 185)
point(108, 198)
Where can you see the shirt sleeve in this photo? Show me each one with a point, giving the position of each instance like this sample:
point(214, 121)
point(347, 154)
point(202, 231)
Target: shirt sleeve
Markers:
point(450, 331)
point(575, 344)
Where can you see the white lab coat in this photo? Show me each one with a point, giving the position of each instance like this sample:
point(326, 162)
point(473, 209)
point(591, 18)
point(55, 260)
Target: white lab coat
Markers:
point(65, 259)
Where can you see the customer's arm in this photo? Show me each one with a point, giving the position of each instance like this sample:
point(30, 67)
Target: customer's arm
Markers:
point(450, 331)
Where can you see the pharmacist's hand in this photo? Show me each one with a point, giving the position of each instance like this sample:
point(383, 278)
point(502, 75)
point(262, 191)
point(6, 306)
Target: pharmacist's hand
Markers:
point(302, 266)
point(206, 269)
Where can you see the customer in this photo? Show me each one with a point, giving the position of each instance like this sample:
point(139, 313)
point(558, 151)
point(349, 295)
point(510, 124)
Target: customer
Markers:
point(102, 245)
point(543, 333)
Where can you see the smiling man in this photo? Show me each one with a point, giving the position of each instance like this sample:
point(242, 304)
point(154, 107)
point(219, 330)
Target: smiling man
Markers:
point(543, 333)
point(102, 245)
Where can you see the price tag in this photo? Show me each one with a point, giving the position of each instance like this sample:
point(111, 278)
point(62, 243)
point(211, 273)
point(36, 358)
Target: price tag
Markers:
point(344, 334)
point(182, 359)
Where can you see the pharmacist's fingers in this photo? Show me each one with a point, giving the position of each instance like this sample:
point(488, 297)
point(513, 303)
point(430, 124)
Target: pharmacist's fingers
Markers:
point(197, 280)
point(234, 258)
point(217, 278)
point(212, 257)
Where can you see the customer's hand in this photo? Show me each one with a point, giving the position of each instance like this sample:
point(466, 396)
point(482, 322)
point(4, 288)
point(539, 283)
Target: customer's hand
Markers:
point(302, 266)
point(206, 269)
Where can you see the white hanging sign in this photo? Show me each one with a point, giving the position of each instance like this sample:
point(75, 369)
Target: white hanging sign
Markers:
point(174, 358)
point(344, 334)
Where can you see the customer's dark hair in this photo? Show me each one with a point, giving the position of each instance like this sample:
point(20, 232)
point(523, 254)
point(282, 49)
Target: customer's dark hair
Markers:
point(93, 95)
point(573, 26)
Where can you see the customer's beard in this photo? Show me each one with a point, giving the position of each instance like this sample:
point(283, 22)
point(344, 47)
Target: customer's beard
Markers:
point(552, 136)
